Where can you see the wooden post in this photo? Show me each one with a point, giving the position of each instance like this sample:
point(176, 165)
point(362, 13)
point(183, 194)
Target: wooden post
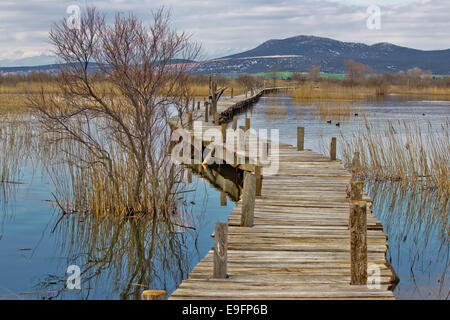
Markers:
point(333, 149)
point(234, 122)
point(220, 250)
point(223, 199)
point(247, 124)
point(189, 176)
point(358, 242)
point(193, 104)
point(189, 116)
point(248, 199)
point(154, 295)
point(232, 93)
point(258, 179)
point(198, 105)
point(206, 112)
point(300, 138)
point(216, 119)
point(356, 166)
point(356, 190)
point(224, 132)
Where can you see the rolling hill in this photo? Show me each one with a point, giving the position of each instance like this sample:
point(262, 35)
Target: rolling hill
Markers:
point(299, 53)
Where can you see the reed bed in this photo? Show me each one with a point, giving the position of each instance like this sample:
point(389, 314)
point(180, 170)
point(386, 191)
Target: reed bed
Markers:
point(338, 110)
point(427, 92)
point(414, 155)
point(332, 90)
point(338, 90)
point(16, 137)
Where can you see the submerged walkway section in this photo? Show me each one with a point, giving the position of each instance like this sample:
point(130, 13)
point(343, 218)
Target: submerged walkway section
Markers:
point(299, 244)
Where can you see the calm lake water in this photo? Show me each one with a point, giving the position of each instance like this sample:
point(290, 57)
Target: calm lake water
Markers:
point(36, 246)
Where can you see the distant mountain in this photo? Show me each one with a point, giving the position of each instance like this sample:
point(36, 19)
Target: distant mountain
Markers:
point(299, 53)
point(53, 68)
point(42, 59)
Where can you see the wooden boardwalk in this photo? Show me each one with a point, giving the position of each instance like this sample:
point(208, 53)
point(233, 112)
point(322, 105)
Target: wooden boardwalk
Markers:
point(299, 245)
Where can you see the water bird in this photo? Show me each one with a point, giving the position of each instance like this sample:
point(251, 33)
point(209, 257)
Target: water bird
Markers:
point(423, 114)
point(328, 121)
point(356, 114)
point(338, 124)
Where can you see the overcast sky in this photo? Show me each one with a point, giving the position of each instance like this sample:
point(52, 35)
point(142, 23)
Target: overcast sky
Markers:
point(231, 26)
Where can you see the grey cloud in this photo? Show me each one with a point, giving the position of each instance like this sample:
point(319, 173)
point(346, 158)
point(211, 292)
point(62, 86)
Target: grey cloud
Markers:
point(232, 26)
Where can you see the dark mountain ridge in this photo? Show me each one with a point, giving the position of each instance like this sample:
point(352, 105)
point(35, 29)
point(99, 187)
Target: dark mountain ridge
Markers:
point(300, 52)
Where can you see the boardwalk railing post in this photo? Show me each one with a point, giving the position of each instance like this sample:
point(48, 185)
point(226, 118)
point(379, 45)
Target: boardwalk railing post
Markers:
point(356, 190)
point(206, 112)
point(356, 166)
point(154, 295)
point(220, 250)
point(258, 179)
point(189, 119)
point(216, 118)
point(223, 199)
point(300, 138)
point(224, 132)
point(247, 124)
point(248, 199)
point(333, 149)
point(358, 242)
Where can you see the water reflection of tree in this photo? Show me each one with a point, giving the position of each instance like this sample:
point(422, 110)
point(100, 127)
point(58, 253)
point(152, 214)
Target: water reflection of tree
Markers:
point(417, 224)
point(129, 255)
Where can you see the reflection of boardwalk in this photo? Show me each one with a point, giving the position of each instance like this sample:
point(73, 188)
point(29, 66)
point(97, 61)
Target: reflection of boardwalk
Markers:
point(299, 245)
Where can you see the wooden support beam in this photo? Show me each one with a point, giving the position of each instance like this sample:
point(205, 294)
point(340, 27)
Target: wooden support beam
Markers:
point(234, 123)
point(300, 138)
point(220, 250)
point(248, 199)
point(189, 176)
point(154, 295)
point(224, 132)
point(358, 242)
point(258, 175)
point(356, 190)
point(189, 120)
point(333, 149)
point(216, 118)
point(247, 124)
point(223, 199)
point(356, 166)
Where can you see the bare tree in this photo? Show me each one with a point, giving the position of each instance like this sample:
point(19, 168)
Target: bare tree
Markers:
point(356, 72)
point(120, 124)
point(298, 78)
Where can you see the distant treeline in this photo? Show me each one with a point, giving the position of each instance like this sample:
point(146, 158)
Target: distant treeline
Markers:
point(357, 74)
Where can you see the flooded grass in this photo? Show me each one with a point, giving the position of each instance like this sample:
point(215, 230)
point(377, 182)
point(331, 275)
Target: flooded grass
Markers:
point(415, 155)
